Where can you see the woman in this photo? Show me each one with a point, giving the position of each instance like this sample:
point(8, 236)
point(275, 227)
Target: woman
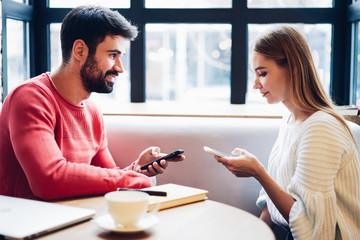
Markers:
point(312, 186)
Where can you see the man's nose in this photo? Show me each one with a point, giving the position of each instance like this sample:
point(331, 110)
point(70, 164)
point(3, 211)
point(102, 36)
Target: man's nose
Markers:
point(119, 66)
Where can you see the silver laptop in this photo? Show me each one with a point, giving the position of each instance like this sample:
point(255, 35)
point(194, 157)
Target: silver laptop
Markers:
point(23, 218)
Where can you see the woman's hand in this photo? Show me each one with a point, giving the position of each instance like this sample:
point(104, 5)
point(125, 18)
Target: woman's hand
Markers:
point(242, 164)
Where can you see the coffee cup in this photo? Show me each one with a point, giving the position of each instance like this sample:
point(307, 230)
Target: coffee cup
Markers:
point(128, 207)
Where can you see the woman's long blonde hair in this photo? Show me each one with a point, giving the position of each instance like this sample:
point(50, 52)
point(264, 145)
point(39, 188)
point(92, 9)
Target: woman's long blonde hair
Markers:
point(287, 47)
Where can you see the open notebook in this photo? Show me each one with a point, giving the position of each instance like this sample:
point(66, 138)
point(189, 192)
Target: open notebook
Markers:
point(23, 218)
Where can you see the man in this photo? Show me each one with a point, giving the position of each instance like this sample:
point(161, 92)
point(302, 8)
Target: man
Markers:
point(52, 138)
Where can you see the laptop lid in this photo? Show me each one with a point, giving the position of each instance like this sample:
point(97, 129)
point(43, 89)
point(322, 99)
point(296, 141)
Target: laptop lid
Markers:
point(23, 218)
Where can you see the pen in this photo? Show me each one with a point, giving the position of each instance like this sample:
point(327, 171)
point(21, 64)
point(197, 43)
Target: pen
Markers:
point(150, 192)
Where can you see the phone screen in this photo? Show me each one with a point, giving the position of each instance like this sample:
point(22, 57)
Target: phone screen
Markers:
point(215, 152)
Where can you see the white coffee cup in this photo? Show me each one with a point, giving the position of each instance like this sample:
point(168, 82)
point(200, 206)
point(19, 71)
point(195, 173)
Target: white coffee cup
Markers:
point(128, 207)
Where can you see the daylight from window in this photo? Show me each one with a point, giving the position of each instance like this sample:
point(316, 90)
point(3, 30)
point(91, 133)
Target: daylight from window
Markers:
point(17, 57)
point(290, 3)
point(104, 3)
point(188, 4)
point(188, 62)
point(357, 64)
point(192, 62)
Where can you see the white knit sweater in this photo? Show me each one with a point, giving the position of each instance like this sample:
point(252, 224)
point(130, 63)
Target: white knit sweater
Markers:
point(316, 162)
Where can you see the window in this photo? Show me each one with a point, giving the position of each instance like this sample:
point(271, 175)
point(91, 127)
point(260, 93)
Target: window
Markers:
point(55, 45)
point(17, 57)
point(354, 19)
point(104, 3)
point(188, 62)
point(290, 4)
point(16, 16)
point(183, 59)
point(22, 1)
point(357, 62)
point(192, 51)
point(188, 4)
point(356, 65)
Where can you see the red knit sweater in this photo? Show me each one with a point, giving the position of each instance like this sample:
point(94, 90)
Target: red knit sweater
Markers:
point(51, 148)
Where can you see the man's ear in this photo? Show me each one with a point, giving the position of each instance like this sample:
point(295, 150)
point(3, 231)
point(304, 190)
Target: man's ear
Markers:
point(80, 50)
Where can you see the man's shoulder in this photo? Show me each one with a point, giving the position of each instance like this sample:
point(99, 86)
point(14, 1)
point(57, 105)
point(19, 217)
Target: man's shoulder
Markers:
point(38, 83)
point(34, 90)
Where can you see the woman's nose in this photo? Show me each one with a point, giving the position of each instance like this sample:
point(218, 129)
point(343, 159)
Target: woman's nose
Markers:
point(257, 84)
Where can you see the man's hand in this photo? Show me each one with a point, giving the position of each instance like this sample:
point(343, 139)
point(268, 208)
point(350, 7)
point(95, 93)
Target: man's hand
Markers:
point(151, 154)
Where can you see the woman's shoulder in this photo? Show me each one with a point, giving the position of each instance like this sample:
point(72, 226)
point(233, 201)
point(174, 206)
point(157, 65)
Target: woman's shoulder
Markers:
point(322, 118)
point(323, 123)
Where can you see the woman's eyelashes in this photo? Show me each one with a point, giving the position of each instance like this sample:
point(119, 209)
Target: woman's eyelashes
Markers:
point(262, 74)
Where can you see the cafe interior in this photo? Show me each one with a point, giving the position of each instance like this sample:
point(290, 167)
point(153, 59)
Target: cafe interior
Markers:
point(188, 83)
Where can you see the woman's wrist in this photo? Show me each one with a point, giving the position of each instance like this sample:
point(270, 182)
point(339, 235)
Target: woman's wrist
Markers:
point(259, 172)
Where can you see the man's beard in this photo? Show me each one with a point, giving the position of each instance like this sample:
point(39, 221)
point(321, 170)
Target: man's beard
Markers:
point(93, 78)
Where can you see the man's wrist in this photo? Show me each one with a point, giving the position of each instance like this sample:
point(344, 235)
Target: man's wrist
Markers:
point(133, 165)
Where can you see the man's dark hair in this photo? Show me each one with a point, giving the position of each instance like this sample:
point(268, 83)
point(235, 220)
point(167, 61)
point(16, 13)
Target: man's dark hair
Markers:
point(92, 24)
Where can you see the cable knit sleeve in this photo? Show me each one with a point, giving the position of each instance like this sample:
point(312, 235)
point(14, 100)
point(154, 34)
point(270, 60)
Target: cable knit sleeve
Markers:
point(261, 200)
point(323, 148)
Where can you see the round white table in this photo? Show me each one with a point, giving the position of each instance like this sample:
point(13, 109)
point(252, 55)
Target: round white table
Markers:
point(201, 220)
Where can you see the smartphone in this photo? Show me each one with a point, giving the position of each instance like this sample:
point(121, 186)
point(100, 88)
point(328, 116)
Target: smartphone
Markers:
point(215, 152)
point(173, 154)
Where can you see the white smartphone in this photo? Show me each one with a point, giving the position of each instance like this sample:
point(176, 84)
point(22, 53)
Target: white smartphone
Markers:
point(215, 152)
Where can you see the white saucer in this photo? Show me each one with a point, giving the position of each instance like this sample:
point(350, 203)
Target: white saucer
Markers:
point(107, 223)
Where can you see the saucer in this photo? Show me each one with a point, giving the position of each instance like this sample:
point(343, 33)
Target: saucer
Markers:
point(106, 222)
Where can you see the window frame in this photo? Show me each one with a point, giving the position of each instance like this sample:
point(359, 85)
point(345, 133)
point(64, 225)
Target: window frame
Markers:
point(354, 19)
point(239, 16)
point(21, 12)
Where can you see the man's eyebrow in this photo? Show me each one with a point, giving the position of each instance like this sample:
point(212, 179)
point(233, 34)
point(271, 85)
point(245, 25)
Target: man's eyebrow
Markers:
point(115, 51)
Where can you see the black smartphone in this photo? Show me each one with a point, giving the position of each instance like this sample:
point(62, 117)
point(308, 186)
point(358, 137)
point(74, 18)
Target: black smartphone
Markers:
point(168, 156)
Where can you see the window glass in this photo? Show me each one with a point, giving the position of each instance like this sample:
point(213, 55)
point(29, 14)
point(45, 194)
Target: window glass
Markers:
point(188, 4)
point(17, 55)
point(104, 3)
point(357, 64)
point(289, 3)
point(318, 37)
point(22, 1)
point(121, 92)
point(55, 57)
point(188, 62)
